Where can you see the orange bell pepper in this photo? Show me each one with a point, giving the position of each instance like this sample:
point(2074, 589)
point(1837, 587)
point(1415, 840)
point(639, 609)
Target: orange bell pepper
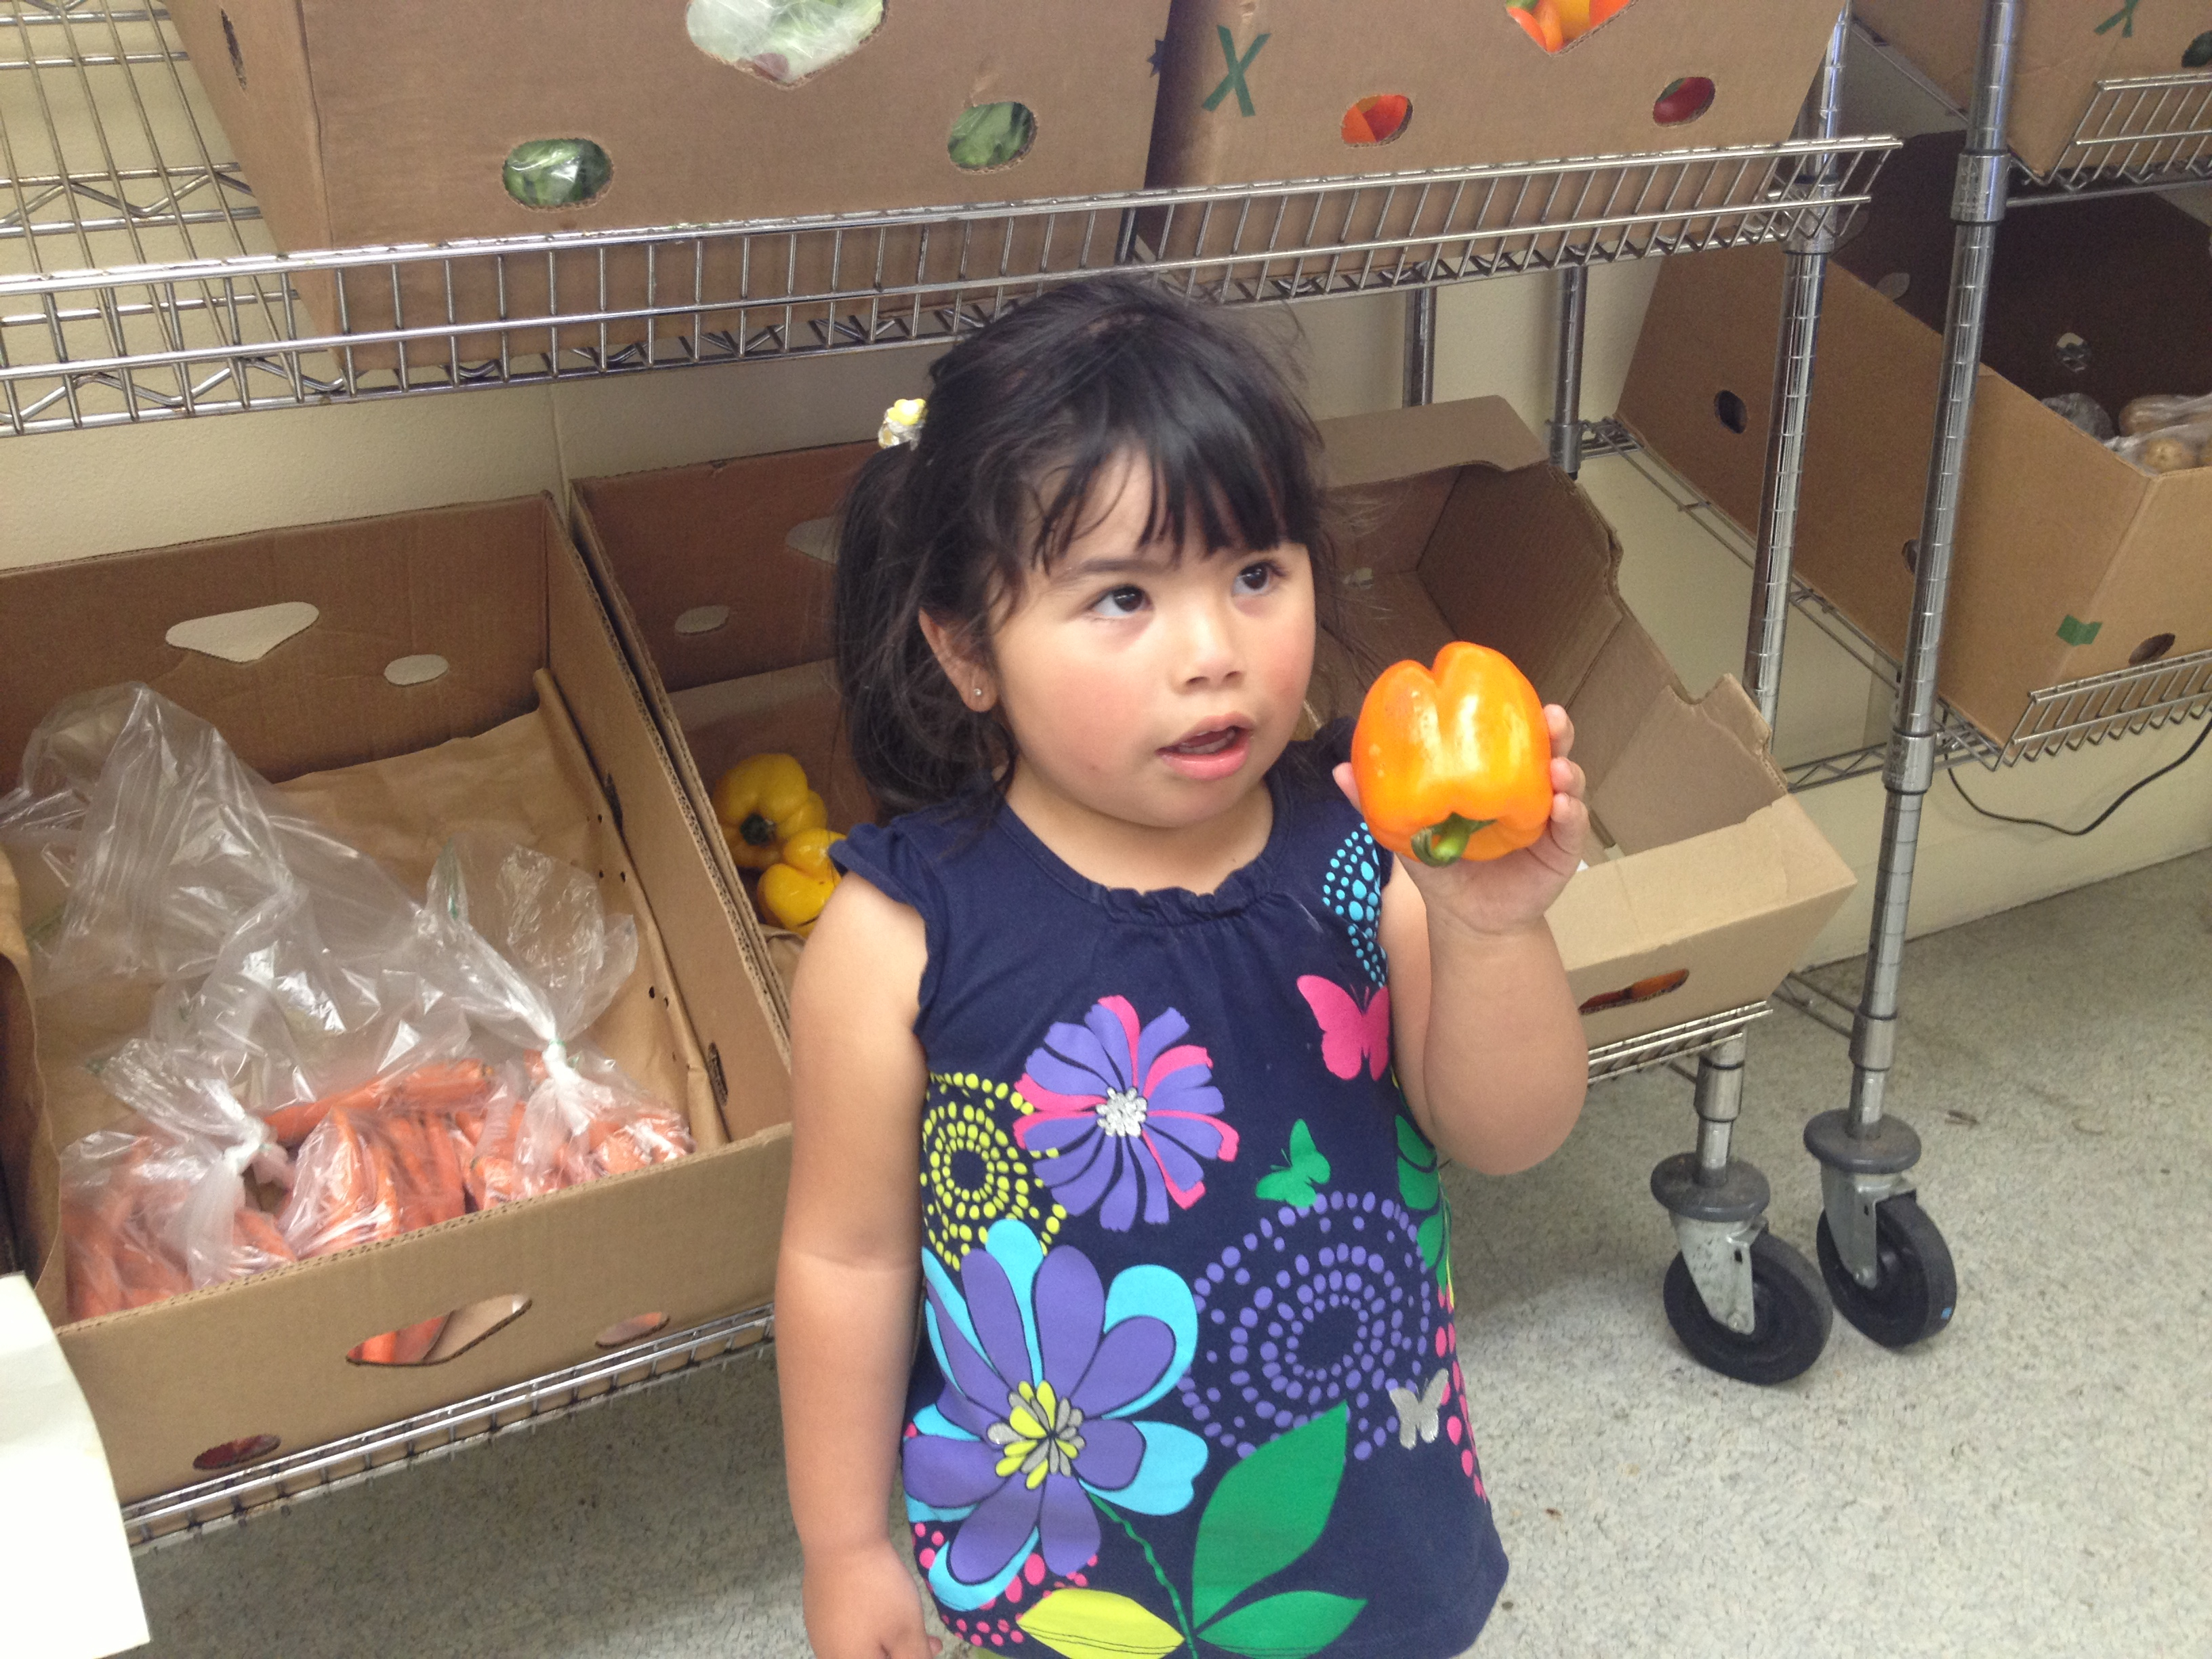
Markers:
point(1454, 762)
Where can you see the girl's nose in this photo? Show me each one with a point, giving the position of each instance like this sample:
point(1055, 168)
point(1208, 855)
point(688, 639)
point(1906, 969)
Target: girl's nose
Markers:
point(1209, 650)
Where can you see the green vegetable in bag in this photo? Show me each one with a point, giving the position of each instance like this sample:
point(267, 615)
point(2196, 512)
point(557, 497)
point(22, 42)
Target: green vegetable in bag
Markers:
point(553, 173)
point(991, 135)
point(784, 40)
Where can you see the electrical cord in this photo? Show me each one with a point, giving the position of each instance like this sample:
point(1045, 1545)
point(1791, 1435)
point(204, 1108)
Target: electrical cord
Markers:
point(2118, 802)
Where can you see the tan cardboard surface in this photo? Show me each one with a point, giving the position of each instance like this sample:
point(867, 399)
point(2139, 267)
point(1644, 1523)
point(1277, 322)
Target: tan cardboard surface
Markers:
point(2052, 525)
point(2060, 56)
point(1481, 89)
point(690, 1239)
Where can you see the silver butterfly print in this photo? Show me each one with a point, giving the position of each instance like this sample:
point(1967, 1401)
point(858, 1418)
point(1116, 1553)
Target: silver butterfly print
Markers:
point(1418, 1413)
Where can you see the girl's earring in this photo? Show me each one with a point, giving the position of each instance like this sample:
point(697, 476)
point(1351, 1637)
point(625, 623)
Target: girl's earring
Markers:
point(979, 694)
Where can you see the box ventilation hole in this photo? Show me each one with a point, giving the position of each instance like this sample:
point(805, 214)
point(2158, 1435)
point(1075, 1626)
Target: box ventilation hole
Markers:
point(416, 670)
point(232, 1453)
point(2150, 650)
point(1379, 119)
point(703, 619)
point(1658, 985)
point(2198, 53)
point(986, 136)
point(447, 1336)
point(1894, 286)
point(781, 40)
point(230, 40)
point(635, 1328)
point(1683, 102)
point(557, 173)
point(243, 636)
point(2072, 352)
point(815, 537)
point(1911, 554)
point(1730, 411)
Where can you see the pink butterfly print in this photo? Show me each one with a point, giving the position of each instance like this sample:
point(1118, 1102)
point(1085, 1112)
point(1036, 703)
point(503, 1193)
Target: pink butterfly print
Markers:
point(1349, 1033)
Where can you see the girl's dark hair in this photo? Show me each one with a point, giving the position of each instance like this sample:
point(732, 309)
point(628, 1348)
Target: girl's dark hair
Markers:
point(1023, 417)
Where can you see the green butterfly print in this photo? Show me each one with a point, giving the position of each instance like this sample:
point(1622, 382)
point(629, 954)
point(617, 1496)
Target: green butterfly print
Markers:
point(1266, 1513)
point(1308, 1171)
point(1417, 1185)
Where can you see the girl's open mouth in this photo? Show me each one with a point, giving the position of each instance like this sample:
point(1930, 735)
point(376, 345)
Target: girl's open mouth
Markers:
point(1214, 753)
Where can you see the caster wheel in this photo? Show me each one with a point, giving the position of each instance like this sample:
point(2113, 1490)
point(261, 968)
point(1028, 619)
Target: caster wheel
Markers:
point(1918, 1288)
point(1793, 1317)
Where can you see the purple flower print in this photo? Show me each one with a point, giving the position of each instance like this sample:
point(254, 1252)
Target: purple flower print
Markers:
point(1044, 1368)
point(1310, 1308)
point(1123, 1113)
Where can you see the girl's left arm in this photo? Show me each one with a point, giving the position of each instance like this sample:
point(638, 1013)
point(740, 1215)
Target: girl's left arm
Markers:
point(1488, 1043)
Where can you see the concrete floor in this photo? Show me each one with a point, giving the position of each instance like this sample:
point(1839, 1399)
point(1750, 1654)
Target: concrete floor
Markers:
point(2037, 1481)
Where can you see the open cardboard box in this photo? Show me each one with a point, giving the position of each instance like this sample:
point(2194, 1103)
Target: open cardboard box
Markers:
point(2069, 561)
point(499, 593)
point(2064, 48)
point(385, 125)
point(1715, 880)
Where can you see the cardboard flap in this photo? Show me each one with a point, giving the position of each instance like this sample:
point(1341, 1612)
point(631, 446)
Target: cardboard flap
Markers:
point(465, 584)
point(777, 598)
point(1546, 597)
point(1639, 787)
point(1384, 526)
point(1403, 443)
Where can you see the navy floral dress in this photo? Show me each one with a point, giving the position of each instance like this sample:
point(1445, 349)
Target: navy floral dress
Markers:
point(1190, 1384)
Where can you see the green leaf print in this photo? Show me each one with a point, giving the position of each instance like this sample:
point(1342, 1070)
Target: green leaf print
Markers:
point(1308, 1171)
point(1286, 1626)
point(1267, 1512)
point(1418, 1165)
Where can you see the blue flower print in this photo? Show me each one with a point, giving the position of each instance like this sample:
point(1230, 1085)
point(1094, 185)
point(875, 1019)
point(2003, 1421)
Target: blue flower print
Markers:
point(1351, 888)
point(1045, 1367)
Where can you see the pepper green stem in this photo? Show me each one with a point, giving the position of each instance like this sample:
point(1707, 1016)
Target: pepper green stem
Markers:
point(1446, 843)
point(757, 831)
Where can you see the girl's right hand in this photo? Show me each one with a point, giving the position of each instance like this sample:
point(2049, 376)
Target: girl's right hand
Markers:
point(866, 1606)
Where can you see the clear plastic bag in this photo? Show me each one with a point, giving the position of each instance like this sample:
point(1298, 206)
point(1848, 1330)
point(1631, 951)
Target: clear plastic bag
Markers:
point(2168, 448)
point(2082, 411)
point(784, 40)
point(2142, 416)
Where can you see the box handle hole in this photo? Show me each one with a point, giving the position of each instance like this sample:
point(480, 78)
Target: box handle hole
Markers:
point(447, 1336)
point(781, 41)
point(1730, 410)
point(2150, 650)
point(1894, 286)
point(635, 1328)
point(703, 619)
point(1683, 102)
point(1910, 551)
point(986, 136)
point(243, 636)
point(232, 1453)
point(1378, 120)
point(2072, 353)
point(815, 537)
point(416, 670)
point(557, 173)
point(2198, 53)
point(1658, 985)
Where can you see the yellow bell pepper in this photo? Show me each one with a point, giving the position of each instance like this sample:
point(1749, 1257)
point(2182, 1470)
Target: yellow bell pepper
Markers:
point(762, 802)
point(794, 891)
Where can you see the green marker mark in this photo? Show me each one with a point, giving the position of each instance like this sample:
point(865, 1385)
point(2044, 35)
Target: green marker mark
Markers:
point(1234, 81)
point(2124, 17)
point(2074, 631)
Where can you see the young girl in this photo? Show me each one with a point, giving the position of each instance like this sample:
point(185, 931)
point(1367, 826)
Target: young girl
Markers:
point(1125, 1052)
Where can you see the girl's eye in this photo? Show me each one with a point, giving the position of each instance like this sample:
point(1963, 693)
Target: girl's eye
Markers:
point(1256, 578)
point(1119, 602)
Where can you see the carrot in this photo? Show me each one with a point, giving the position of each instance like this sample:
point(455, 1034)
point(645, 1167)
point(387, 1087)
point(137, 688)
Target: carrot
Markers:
point(95, 1284)
point(255, 1232)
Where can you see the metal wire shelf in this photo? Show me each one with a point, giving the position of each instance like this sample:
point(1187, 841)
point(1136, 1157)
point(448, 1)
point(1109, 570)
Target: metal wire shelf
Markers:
point(2072, 715)
point(138, 282)
point(230, 1498)
point(1694, 1036)
point(2138, 133)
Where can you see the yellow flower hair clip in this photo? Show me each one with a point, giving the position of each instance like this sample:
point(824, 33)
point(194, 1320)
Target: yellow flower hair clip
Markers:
point(901, 422)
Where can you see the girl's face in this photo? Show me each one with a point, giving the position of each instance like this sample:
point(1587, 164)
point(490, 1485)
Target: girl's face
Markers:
point(1146, 689)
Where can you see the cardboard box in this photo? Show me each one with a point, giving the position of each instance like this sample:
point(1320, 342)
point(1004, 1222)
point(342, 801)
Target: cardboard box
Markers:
point(499, 592)
point(1719, 875)
point(1478, 90)
point(2063, 48)
point(372, 125)
point(2069, 561)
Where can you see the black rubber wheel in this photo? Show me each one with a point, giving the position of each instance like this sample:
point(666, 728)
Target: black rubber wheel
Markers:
point(1919, 1289)
point(1793, 1317)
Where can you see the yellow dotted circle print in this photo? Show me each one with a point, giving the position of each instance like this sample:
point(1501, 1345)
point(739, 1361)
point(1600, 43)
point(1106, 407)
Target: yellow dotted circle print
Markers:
point(972, 1173)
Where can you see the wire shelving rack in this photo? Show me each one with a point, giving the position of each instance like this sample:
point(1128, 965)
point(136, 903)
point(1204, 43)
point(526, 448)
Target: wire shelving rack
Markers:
point(138, 283)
